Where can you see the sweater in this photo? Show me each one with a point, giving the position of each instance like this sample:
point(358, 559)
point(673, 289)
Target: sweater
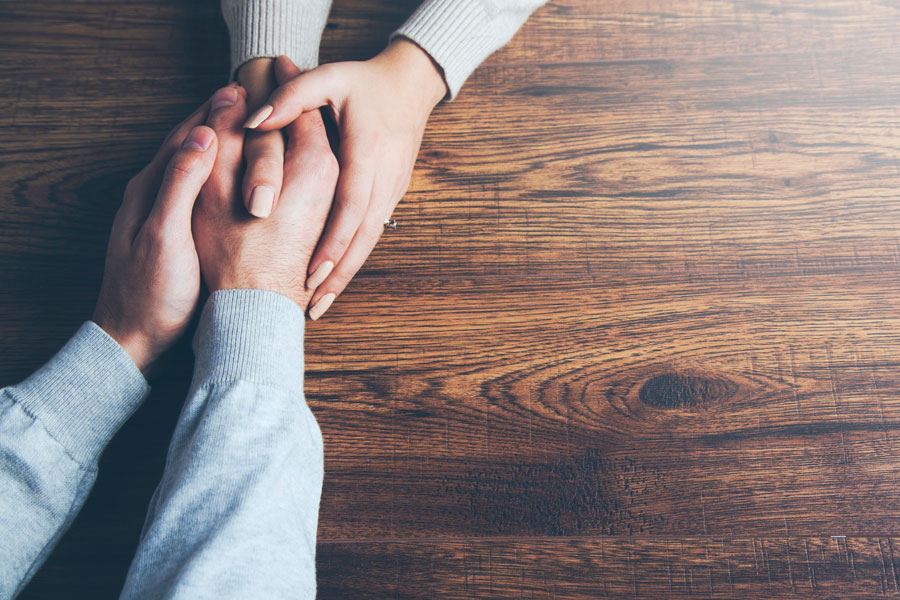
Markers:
point(236, 511)
point(457, 34)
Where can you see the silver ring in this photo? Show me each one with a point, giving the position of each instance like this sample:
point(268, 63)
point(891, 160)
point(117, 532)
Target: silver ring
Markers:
point(392, 223)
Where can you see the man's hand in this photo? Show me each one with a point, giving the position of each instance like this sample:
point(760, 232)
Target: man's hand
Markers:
point(263, 150)
point(152, 276)
point(381, 107)
point(237, 250)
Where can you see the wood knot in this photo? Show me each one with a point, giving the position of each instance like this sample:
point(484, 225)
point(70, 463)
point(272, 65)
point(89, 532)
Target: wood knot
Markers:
point(678, 390)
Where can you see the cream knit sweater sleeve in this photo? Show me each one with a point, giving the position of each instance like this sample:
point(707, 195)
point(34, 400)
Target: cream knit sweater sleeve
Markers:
point(458, 34)
point(268, 28)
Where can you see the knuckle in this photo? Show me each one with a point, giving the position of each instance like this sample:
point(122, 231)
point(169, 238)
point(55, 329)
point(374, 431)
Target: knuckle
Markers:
point(155, 234)
point(327, 164)
point(264, 142)
point(372, 231)
point(354, 206)
point(133, 186)
point(335, 282)
point(325, 76)
point(340, 241)
point(309, 123)
point(217, 118)
point(183, 165)
point(323, 165)
point(338, 282)
point(221, 120)
point(342, 278)
point(268, 163)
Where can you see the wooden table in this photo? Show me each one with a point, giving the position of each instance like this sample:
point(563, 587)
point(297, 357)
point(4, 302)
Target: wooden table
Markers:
point(635, 335)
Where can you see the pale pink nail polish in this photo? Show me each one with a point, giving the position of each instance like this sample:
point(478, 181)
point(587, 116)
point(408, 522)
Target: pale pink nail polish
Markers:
point(261, 200)
point(259, 116)
point(319, 275)
point(321, 306)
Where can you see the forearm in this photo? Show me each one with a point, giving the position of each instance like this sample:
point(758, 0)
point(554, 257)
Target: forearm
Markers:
point(236, 511)
point(270, 28)
point(54, 426)
point(460, 34)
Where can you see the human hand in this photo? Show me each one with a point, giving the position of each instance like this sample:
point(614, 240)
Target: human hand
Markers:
point(152, 277)
point(381, 107)
point(238, 251)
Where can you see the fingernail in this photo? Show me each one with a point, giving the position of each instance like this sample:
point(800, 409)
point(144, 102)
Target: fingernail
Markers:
point(259, 116)
point(321, 306)
point(319, 275)
point(225, 97)
point(261, 200)
point(198, 139)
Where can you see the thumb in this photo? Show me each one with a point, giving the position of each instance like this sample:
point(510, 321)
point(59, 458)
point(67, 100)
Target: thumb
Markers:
point(305, 92)
point(185, 175)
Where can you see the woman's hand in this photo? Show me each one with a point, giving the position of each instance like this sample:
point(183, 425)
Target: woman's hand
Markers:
point(152, 277)
point(381, 107)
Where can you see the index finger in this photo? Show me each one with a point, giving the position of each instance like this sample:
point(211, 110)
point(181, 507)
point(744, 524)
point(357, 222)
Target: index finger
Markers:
point(303, 93)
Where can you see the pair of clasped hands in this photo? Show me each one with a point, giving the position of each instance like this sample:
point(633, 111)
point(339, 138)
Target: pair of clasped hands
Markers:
point(197, 210)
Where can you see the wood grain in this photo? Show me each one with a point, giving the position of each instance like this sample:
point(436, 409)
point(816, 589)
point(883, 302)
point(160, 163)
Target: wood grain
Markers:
point(635, 336)
point(614, 567)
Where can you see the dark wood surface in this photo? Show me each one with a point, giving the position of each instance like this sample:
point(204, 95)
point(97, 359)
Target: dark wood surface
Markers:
point(635, 336)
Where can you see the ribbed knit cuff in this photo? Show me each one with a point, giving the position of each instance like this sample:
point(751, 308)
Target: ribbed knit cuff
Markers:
point(250, 335)
point(458, 35)
point(84, 393)
point(269, 28)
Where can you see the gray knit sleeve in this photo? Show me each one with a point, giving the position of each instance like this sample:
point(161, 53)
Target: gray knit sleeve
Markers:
point(460, 34)
point(236, 511)
point(53, 427)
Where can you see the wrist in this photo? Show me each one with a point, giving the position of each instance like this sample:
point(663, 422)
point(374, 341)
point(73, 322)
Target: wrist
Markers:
point(135, 344)
point(253, 335)
point(297, 293)
point(137, 347)
point(412, 64)
point(257, 76)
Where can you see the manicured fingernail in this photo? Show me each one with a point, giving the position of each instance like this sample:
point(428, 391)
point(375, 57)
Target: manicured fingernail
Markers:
point(321, 306)
point(261, 200)
point(319, 275)
point(198, 139)
point(225, 97)
point(259, 116)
